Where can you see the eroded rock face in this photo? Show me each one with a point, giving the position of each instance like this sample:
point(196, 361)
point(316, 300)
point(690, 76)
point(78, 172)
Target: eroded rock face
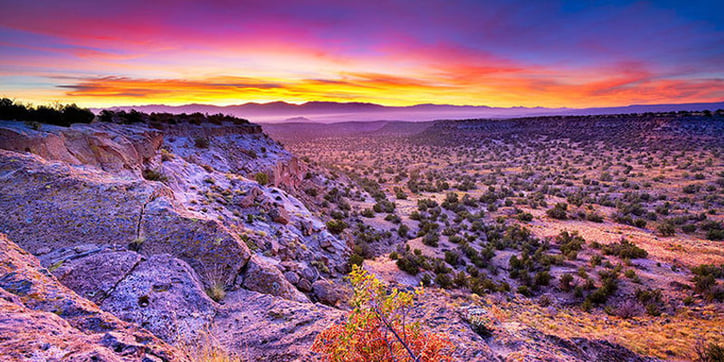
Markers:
point(53, 205)
point(207, 245)
point(271, 329)
point(41, 319)
point(110, 147)
point(93, 273)
point(265, 278)
point(50, 204)
point(162, 295)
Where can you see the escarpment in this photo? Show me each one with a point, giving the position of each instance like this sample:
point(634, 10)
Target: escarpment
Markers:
point(161, 226)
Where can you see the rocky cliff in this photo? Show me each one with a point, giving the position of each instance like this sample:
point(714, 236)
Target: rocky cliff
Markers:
point(160, 226)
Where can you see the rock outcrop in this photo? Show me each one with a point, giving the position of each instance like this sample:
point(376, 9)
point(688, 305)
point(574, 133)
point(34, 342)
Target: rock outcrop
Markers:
point(152, 247)
point(41, 319)
point(107, 146)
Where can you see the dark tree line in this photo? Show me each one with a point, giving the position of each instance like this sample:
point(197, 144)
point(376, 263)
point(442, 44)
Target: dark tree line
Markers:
point(61, 115)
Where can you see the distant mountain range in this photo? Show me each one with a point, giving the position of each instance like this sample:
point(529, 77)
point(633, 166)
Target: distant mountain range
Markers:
point(332, 112)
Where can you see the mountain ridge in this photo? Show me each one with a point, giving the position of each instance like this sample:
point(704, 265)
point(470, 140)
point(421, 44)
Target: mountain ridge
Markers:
point(333, 112)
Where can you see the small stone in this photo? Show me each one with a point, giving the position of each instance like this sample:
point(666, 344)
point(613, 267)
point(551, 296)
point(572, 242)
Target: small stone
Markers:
point(305, 285)
point(292, 277)
point(310, 274)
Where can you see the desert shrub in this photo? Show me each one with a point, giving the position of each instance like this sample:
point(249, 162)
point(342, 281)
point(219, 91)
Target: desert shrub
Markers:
point(153, 175)
point(628, 309)
point(444, 280)
point(525, 217)
point(691, 188)
point(625, 249)
point(60, 115)
point(356, 259)
point(709, 269)
point(594, 217)
point(715, 233)
point(201, 142)
point(558, 211)
point(666, 229)
point(524, 290)
point(336, 226)
point(409, 264)
point(570, 243)
point(639, 223)
point(565, 282)
point(452, 258)
point(261, 178)
point(460, 280)
point(431, 239)
point(402, 230)
point(377, 328)
point(705, 281)
point(688, 228)
point(542, 278)
point(384, 206)
point(709, 352)
point(651, 299)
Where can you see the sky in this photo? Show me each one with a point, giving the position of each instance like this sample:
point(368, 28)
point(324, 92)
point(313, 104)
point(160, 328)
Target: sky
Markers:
point(581, 53)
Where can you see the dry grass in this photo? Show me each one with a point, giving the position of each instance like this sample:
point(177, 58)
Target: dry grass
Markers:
point(666, 337)
point(216, 281)
point(205, 348)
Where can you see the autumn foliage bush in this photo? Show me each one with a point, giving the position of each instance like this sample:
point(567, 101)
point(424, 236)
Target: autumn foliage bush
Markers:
point(377, 329)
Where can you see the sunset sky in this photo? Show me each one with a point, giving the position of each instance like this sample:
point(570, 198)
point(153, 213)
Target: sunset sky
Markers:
point(580, 53)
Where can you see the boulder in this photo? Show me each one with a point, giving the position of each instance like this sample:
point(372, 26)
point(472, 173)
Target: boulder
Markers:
point(279, 215)
point(330, 293)
point(263, 277)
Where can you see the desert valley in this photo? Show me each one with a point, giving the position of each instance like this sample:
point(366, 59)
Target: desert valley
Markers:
point(168, 237)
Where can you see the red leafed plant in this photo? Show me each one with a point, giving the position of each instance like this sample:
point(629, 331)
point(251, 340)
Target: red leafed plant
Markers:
point(377, 329)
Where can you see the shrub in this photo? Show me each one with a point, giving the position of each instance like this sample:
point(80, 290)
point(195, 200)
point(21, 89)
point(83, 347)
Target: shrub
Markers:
point(201, 142)
point(261, 178)
point(61, 115)
point(542, 278)
point(336, 226)
point(570, 243)
point(710, 352)
point(625, 249)
point(356, 259)
point(558, 211)
point(431, 239)
point(627, 309)
point(408, 264)
point(525, 217)
point(594, 217)
point(377, 329)
point(666, 229)
point(444, 281)
point(153, 175)
point(403, 230)
point(565, 282)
